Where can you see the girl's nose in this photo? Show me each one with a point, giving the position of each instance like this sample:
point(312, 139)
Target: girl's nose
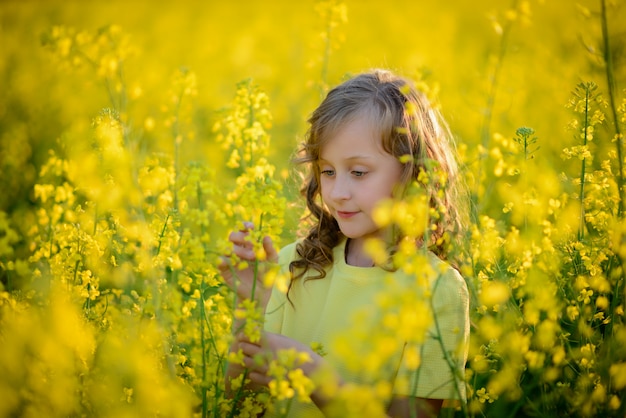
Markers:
point(340, 189)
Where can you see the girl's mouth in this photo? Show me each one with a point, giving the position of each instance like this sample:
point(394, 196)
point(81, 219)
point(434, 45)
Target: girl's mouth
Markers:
point(346, 215)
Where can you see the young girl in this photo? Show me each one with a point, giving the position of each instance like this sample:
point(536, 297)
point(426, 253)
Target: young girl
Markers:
point(369, 139)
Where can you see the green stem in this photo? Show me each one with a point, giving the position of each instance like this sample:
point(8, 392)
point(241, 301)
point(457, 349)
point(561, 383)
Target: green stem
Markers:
point(123, 98)
point(220, 365)
point(204, 355)
point(286, 413)
point(485, 132)
point(413, 399)
point(238, 395)
point(9, 276)
point(176, 132)
point(75, 274)
point(474, 384)
point(162, 234)
point(109, 89)
point(610, 78)
point(87, 304)
point(581, 197)
point(251, 118)
point(491, 97)
point(525, 181)
point(451, 363)
point(219, 390)
point(256, 275)
point(201, 207)
point(212, 338)
point(95, 220)
point(256, 265)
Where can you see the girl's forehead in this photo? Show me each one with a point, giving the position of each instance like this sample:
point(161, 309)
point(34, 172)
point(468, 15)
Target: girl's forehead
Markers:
point(364, 117)
point(355, 135)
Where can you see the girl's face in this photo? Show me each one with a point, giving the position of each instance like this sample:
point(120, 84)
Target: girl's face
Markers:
point(355, 174)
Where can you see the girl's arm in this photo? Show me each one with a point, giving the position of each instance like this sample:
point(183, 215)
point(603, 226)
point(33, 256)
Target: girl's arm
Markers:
point(267, 348)
point(271, 343)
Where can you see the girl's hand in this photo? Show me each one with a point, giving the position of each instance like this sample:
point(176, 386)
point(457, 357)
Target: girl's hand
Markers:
point(258, 355)
point(243, 281)
point(266, 349)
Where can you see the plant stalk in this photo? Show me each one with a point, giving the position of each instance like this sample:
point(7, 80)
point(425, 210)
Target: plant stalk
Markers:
point(581, 196)
point(610, 78)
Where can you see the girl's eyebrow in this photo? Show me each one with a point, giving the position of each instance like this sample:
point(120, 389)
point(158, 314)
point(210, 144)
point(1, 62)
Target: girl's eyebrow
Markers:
point(354, 157)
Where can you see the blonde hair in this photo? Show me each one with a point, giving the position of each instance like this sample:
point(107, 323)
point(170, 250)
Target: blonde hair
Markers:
point(409, 128)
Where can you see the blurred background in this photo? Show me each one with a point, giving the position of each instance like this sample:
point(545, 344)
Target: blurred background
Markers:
point(494, 66)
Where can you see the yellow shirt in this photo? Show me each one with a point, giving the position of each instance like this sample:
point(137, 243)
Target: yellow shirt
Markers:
point(324, 311)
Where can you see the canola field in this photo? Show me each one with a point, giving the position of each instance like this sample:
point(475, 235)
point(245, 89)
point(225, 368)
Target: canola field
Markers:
point(135, 135)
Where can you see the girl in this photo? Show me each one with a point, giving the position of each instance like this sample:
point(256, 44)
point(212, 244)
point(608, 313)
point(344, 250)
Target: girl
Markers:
point(369, 140)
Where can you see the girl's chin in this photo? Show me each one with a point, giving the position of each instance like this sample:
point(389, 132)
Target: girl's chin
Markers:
point(354, 235)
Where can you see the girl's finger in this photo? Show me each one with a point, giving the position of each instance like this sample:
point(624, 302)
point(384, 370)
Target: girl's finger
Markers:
point(244, 253)
point(249, 363)
point(247, 226)
point(259, 378)
point(223, 265)
point(239, 238)
point(256, 364)
point(241, 337)
point(249, 349)
point(270, 251)
point(224, 268)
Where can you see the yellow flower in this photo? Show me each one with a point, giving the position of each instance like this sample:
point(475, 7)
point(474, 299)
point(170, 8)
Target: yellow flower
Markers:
point(280, 389)
point(494, 293)
point(375, 248)
point(618, 374)
point(302, 385)
point(483, 396)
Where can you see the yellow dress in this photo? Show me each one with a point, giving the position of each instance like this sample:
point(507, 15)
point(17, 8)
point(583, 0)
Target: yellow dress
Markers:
point(323, 312)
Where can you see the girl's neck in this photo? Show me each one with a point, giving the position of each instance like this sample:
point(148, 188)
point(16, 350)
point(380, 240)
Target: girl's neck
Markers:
point(355, 255)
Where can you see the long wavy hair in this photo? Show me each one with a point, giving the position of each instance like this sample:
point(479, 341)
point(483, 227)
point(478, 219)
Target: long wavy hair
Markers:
point(409, 128)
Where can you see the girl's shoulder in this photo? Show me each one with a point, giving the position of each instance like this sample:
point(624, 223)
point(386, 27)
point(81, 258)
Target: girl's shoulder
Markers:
point(288, 253)
point(447, 281)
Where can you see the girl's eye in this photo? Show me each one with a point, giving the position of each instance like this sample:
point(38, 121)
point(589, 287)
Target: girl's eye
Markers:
point(357, 173)
point(328, 173)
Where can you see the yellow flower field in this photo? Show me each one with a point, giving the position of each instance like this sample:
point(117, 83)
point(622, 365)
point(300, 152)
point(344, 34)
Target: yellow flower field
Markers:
point(135, 135)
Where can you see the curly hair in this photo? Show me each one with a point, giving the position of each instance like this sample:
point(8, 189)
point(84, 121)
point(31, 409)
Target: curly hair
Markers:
point(409, 128)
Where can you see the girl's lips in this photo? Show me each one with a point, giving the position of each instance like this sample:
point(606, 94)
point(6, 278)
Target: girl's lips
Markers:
point(346, 215)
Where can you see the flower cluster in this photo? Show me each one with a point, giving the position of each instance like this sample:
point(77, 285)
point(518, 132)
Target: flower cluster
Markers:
point(549, 306)
point(123, 249)
point(257, 195)
point(119, 191)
